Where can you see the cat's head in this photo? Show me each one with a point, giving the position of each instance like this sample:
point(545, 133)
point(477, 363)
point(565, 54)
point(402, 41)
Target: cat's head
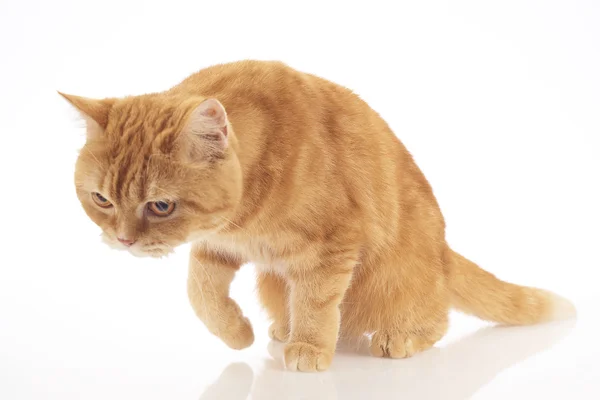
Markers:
point(156, 171)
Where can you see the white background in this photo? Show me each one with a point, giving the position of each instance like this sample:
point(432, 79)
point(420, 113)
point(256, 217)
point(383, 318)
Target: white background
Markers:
point(498, 101)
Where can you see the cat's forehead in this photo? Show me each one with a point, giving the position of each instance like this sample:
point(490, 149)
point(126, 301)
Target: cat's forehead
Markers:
point(135, 122)
point(133, 178)
point(128, 173)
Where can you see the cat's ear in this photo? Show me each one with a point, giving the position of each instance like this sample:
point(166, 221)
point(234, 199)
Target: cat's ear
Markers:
point(94, 111)
point(207, 129)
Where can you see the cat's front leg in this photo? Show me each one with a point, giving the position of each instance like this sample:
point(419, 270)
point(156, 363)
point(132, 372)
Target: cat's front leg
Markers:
point(273, 294)
point(315, 297)
point(210, 275)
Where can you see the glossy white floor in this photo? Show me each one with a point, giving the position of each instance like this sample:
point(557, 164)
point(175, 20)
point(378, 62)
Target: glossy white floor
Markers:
point(135, 337)
point(498, 102)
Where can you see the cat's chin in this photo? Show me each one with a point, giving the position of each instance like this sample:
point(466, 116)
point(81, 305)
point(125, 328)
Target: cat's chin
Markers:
point(152, 252)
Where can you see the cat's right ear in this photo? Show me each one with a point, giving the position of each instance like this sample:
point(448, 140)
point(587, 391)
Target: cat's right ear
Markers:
point(94, 112)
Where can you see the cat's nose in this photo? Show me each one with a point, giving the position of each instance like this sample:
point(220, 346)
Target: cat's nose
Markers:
point(126, 242)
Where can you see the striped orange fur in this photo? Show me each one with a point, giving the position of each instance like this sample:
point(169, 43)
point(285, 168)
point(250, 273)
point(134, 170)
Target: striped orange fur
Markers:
point(298, 175)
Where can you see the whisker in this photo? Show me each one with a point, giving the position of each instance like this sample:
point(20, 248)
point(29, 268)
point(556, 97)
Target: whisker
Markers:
point(160, 190)
point(95, 158)
point(231, 222)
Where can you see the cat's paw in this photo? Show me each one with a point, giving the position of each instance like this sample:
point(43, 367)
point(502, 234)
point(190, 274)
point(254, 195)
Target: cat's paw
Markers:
point(279, 332)
point(238, 336)
point(398, 344)
point(305, 357)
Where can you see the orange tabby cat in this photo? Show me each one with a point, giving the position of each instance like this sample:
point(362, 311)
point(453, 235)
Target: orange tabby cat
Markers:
point(256, 162)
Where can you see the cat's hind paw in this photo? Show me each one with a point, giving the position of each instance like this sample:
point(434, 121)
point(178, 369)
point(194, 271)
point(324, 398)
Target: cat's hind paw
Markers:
point(398, 344)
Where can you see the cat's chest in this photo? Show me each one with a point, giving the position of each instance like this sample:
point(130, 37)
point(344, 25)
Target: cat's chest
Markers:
point(255, 250)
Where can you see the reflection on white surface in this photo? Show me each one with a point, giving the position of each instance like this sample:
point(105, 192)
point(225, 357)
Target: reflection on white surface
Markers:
point(455, 372)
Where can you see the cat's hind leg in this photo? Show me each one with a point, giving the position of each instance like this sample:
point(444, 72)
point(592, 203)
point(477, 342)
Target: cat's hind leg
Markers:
point(401, 303)
point(413, 320)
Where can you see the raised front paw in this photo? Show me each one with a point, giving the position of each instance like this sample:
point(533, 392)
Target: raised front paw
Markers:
point(305, 357)
point(238, 335)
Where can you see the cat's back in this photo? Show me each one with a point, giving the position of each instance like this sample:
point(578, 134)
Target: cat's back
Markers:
point(242, 77)
point(276, 100)
point(268, 83)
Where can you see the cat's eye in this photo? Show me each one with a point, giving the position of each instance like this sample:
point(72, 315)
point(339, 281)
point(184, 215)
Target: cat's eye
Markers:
point(161, 208)
point(100, 200)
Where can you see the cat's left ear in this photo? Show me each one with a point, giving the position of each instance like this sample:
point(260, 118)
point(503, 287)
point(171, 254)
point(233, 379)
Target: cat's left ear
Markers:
point(94, 111)
point(207, 128)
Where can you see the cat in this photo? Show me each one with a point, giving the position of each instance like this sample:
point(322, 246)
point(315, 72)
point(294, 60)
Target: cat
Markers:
point(254, 161)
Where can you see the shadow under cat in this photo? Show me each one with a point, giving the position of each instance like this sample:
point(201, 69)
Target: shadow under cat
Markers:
point(454, 372)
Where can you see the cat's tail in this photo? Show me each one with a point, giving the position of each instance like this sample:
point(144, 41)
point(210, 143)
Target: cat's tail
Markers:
point(477, 292)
